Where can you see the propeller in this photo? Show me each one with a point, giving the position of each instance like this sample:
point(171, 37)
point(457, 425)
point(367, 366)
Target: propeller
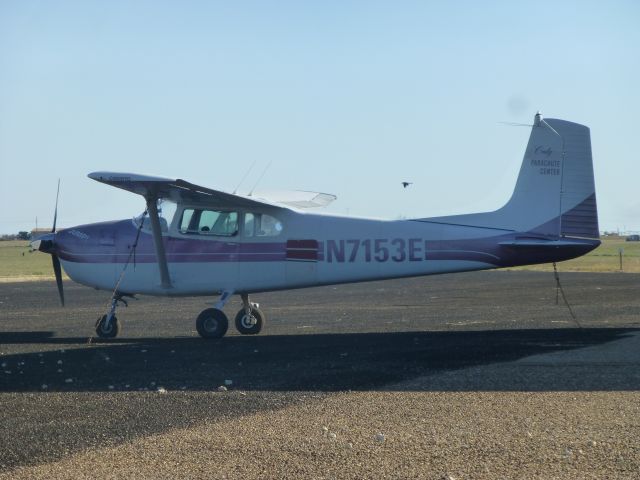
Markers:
point(47, 244)
point(55, 212)
point(57, 270)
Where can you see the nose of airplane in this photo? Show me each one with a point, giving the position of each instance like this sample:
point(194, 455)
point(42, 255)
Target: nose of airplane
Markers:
point(45, 243)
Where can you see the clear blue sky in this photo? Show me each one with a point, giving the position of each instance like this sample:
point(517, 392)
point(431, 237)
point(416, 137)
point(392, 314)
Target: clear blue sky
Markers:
point(349, 98)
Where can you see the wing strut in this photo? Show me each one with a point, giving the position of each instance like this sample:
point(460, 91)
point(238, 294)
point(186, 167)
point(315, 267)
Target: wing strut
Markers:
point(152, 208)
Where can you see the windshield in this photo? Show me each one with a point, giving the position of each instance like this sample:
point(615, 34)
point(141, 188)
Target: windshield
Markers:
point(166, 211)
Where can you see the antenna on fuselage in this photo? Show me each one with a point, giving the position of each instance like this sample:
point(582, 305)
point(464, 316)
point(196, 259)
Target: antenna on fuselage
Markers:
point(260, 178)
point(244, 177)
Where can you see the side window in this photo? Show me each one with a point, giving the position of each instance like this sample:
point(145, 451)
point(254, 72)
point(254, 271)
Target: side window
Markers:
point(225, 223)
point(261, 225)
point(209, 222)
point(249, 224)
point(185, 222)
point(269, 226)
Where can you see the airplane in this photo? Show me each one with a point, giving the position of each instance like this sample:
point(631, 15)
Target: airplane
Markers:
point(196, 241)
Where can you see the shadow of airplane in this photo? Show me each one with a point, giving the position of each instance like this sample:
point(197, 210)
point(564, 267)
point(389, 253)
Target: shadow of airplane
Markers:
point(322, 362)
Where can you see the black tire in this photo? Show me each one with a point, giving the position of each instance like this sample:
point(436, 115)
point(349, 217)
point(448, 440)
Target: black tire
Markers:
point(212, 323)
point(112, 331)
point(252, 326)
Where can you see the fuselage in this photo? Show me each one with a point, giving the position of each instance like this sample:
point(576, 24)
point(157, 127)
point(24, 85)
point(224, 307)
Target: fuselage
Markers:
point(283, 249)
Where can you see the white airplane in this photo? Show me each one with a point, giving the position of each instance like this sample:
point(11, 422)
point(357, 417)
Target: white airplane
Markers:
point(225, 244)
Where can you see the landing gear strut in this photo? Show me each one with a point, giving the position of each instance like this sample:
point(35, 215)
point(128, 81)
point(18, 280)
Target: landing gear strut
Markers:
point(108, 326)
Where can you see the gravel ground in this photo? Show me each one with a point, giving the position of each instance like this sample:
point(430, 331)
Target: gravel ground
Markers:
point(466, 376)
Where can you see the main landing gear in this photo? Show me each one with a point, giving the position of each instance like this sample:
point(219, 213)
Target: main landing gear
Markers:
point(108, 326)
point(213, 323)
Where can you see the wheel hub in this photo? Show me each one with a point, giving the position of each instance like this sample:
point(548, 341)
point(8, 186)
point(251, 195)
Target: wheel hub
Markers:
point(106, 328)
point(248, 321)
point(211, 324)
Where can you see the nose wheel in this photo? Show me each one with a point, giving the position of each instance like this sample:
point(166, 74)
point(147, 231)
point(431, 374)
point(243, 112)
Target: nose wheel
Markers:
point(107, 325)
point(107, 329)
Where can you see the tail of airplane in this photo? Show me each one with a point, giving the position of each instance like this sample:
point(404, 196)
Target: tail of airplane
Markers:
point(554, 195)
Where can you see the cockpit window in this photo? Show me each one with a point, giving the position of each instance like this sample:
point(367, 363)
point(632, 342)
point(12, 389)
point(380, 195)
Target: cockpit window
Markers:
point(261, 225)
point(166, 211)
point(208, 222)
point(164, 226)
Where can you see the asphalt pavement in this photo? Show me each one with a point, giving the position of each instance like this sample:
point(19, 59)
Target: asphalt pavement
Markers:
point(67, 397)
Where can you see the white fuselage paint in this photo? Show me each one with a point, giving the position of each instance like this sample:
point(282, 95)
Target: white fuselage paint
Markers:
point(383, 250)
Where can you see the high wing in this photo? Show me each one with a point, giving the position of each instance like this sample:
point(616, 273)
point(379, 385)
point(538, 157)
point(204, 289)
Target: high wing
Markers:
point(176, 190)
point(179, 190)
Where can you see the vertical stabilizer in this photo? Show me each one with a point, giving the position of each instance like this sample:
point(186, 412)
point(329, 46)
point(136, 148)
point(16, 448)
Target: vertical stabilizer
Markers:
point(555, 192)
point(554, 195)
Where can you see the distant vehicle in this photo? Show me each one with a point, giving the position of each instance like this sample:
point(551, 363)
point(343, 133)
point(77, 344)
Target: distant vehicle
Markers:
point(224, 243)
point(633, 238)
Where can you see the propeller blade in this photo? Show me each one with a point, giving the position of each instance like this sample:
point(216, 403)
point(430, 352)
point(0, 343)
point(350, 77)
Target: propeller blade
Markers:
point(58, 272)
point(55, 212)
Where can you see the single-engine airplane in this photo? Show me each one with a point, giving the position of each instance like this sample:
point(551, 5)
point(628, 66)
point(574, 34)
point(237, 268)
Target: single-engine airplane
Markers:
point(218, 243)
